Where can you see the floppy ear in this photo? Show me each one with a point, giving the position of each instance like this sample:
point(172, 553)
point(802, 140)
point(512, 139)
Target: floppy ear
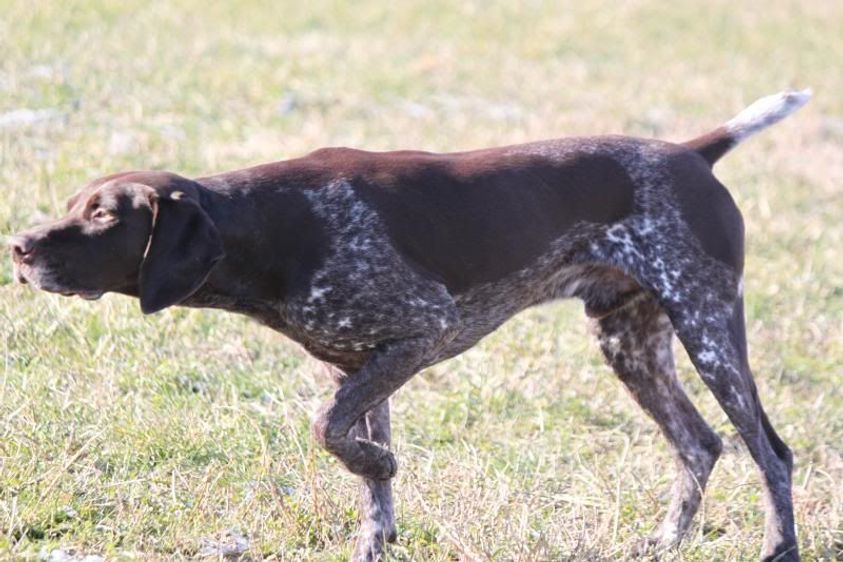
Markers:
point(182, 250)
point(72, 201)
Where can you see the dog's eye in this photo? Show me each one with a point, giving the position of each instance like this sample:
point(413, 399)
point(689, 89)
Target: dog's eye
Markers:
point(101, 215)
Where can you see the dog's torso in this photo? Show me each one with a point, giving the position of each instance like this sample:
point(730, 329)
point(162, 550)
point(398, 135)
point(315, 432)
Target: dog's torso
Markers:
point(377, 246)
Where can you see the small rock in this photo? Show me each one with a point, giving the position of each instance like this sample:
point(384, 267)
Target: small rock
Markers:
point(231, 547)
point(66, 513)
point(171, 132)
point(187, 383)
point(417, 110)
point(831, 128)
point(47, 72)
point(41, 71)
point(59, 555)
point(122, 142)
point(20, 118)
point(288, 104)
point(504, 111)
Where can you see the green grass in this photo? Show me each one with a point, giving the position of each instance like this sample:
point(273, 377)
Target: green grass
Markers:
point(140, 438)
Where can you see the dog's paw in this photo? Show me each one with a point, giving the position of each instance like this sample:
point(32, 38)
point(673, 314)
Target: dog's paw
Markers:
point(653, 545)
point(368, 549)
point(781, 553)
point(371, 543)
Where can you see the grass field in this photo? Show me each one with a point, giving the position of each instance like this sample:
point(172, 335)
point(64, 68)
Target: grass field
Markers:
point(155, 438)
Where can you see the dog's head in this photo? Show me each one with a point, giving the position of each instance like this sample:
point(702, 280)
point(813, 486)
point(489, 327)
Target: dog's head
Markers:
point(138, 233)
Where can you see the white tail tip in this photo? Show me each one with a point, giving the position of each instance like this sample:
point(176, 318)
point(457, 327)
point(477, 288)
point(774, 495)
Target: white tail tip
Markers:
point(765, 112)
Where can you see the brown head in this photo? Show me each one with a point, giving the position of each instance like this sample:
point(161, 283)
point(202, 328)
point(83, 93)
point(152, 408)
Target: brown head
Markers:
point(138, 233)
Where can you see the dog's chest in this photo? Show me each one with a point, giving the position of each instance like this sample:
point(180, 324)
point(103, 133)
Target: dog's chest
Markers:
point(364, 293)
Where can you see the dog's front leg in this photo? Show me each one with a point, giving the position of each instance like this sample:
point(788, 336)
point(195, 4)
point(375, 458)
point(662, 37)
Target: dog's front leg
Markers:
point(354, 426)
point(377, 513)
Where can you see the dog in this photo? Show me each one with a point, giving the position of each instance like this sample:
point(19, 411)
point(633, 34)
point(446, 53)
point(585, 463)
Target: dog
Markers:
point(382, 264)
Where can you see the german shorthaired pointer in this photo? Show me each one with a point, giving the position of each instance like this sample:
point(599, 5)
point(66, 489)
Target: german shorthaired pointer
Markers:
point(382, 264)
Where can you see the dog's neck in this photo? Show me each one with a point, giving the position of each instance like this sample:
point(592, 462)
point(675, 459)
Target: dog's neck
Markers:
point(272, 242)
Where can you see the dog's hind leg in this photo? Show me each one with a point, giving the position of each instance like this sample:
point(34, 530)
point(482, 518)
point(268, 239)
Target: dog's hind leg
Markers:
point(712, 331)
point(636, 340)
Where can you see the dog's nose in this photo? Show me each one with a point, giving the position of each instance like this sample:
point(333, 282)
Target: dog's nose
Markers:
point(22, 247)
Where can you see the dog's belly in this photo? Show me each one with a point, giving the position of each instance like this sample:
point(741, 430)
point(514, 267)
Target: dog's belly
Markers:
point(562, 273)
point(485, 308)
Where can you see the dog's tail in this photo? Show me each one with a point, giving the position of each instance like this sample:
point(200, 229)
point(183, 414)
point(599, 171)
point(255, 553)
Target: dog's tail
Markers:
point(760, 115)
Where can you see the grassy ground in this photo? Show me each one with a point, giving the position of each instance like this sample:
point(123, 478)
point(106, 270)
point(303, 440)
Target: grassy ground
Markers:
point(151, 438)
